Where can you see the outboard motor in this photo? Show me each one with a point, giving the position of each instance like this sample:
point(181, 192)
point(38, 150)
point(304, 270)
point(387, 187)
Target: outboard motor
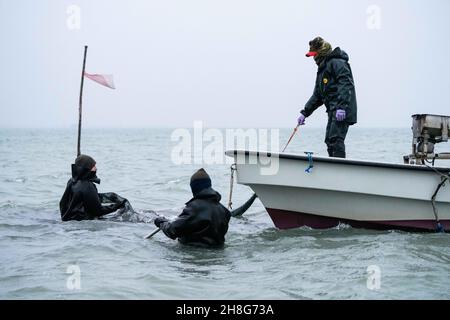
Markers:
point(428, 129)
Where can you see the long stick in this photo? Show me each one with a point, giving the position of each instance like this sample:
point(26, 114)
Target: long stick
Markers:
point(80, 106)
point(292, 135)
point(152, 234)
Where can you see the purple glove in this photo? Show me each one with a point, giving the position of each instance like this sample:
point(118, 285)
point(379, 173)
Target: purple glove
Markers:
point(301, 120)
point(340, 115)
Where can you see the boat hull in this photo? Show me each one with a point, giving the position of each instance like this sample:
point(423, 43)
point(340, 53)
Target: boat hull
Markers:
point(284, 219)
point(347, 191)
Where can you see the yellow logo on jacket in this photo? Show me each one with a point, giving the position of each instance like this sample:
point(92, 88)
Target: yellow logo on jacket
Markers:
point(325, 80)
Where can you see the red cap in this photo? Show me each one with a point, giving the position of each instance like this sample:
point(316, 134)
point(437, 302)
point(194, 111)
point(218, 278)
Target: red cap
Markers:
point(312, 54)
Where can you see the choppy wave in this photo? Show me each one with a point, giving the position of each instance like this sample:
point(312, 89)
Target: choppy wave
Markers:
point(38, 251)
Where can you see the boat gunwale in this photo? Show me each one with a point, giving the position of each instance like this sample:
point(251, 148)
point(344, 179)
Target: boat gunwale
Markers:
point(366, 163)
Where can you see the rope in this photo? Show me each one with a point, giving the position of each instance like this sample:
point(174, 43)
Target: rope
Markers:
point(443, 175)
point(439, 227)
point(310, 160)
point(444, 178)
point(233, 169)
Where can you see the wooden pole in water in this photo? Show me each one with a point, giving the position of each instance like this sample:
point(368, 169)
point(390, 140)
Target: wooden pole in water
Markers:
point(81, 101)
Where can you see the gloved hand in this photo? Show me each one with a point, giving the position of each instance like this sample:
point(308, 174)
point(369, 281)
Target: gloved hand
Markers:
point(301, 119)
point(340, 115)
point(159, 221)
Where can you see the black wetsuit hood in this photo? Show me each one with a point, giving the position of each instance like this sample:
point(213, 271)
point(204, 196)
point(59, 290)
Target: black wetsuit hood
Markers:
point(207, 193)
point(82, 173)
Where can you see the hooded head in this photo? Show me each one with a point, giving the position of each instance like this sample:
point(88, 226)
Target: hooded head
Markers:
point(319, 49)
point(85, 161)
point(200, 181)
point(82, 168)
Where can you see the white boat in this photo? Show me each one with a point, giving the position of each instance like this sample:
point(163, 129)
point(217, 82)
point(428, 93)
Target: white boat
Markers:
point(360, 193)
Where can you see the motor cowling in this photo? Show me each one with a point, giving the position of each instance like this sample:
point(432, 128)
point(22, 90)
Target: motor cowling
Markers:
point(428, 129)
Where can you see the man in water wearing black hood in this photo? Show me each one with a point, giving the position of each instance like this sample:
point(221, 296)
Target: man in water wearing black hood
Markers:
point(204, 220)
point(335, 88)
point(81, 200)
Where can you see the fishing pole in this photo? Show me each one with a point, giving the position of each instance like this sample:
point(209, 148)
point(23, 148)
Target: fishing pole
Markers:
point(290, 138)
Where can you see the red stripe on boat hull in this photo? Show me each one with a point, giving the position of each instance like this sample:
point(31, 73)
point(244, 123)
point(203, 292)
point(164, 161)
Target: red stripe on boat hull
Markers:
point(284, 219)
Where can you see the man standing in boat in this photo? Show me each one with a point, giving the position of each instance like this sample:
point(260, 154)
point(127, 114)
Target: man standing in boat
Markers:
point(335, 88)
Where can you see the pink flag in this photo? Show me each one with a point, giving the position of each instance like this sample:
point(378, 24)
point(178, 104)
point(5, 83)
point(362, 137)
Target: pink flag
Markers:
point(104, 79)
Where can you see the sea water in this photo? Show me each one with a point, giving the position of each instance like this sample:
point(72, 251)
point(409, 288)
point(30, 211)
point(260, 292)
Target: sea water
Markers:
point(44, 258)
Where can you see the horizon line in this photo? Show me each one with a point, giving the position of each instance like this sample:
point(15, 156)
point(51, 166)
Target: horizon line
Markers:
point(187, 127)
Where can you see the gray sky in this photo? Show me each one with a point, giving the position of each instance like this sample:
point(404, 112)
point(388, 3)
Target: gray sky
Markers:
point(233, 63)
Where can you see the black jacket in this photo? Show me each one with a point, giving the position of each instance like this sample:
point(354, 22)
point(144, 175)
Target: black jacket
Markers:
point(81, 199)
point(204, 221)
point(334, 87)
